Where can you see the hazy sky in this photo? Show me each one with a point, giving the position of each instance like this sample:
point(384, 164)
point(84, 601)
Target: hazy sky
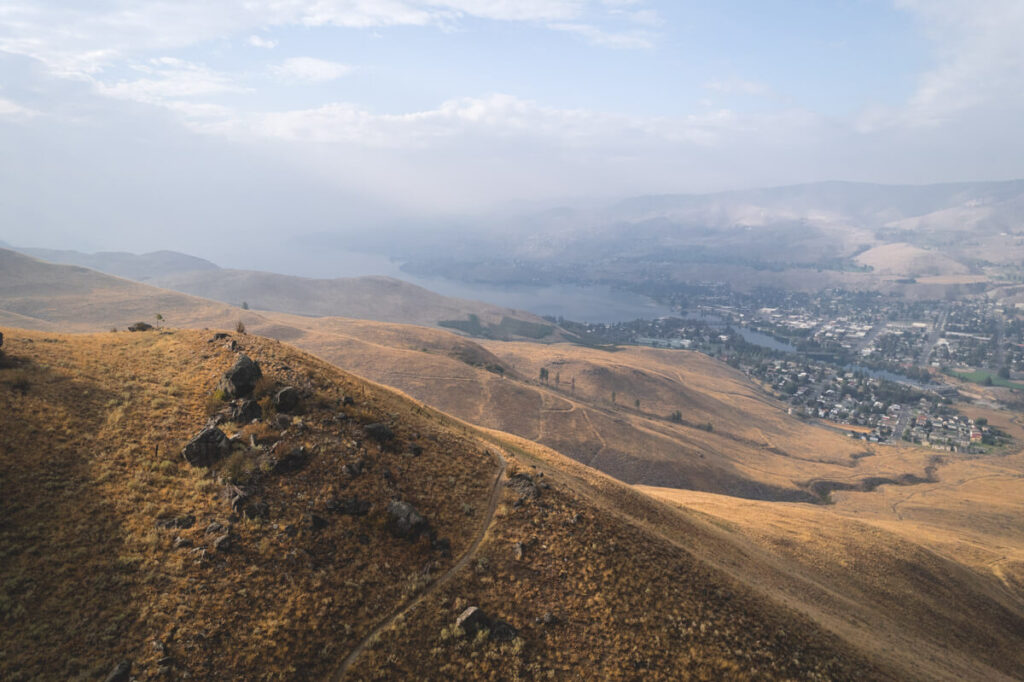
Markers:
point(167, 124)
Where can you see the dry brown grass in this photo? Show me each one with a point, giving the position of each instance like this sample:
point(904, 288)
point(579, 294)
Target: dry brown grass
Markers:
point(91, 461)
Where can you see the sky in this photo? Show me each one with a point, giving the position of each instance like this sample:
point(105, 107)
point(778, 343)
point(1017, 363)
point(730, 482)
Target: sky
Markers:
point(203, 126)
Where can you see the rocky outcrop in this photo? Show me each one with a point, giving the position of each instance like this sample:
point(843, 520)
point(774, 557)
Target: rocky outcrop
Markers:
point(206, 447)
point(473, 621)
point(287, 399)
point(380, 432)
point(241, 379)
point(405, 522)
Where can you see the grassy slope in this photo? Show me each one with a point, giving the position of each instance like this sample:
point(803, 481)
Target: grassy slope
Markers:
point(92, 428)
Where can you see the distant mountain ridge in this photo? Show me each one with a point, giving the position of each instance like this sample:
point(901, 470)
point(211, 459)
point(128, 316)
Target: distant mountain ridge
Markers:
point(381, 299)
point(140, 267)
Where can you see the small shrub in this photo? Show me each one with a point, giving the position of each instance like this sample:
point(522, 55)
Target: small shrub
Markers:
point(239, 468)
point(215, 401)
point(21, 385)
point(240, 327)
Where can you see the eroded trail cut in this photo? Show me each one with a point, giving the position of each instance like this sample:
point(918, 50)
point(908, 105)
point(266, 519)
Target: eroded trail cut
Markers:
point(442, 580)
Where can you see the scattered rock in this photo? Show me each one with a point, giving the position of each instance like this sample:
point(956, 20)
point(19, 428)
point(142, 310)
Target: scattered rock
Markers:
point(549, 619)
point(140, 327)
point(166, 661)
point(473, 620)
point(214, 527)
point(223, 543)
point(290, 530)
point(219, 336)
point(240, 380)
point(282, 421)
point(121, 673)
point(287, 399)
point(353, 468)
point(347, 400)
point(244, 411)
point(415, 450)
point(256, 510)
point(181, 543)
point(180, 522)
point(293, 461)
point(524, 485)
point(404, 521)
point(351, 506)
point(502, 631)
point(518, 550)
point(380, 432)
point(363, 539)
point(206, 447)
point(315, 522)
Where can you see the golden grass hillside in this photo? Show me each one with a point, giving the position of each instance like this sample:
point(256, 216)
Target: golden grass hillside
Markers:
point(753, 449)
point(115, 548)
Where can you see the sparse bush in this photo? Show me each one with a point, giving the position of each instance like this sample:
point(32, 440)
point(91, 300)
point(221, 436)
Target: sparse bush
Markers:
point(676, 416)
point(21, 385)
point(239, 467)
point(215, 401)
point(240, 327)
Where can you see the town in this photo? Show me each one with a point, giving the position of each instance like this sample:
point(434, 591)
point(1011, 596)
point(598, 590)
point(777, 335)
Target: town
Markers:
point(858, 361)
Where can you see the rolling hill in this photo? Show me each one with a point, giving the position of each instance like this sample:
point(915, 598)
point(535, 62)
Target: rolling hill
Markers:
point(293, 554)
point(371, 298)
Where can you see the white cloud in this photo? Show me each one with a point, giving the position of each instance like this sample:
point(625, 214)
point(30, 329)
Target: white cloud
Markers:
point(631, 40)
point(472, 121)
point(310, 69)
point(169, 79)
point(978, 63)
point(11, 109)
point(83, 39)
point(266, 43)
point(738, 86)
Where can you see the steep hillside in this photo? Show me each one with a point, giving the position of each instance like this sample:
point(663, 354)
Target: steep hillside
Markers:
point(291, 550)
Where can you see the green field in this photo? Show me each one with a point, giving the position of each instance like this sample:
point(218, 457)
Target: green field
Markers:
point(979, 376)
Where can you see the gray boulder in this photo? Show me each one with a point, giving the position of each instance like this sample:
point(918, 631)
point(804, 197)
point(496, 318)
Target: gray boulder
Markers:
point(206, 447)
point(245, 411)
point(240, 380)
point(380, 432)
point(287, 399)
point(473, 620)
point(404, 521)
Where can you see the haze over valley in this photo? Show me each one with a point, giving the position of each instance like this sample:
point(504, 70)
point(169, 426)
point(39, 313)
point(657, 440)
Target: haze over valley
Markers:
point(485, 341)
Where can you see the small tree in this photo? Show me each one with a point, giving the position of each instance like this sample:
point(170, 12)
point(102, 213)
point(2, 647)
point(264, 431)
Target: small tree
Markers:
point(245, 305)
point(240, 327)
point(636, 403)
point(544, 374)
point(613, 397)
point(159, 319)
